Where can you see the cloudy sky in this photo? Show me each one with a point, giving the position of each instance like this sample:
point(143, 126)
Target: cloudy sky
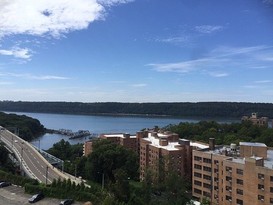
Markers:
point(136, 50)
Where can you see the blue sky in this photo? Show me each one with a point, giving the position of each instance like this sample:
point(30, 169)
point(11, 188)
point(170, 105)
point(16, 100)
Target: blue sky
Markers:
point(136, 50)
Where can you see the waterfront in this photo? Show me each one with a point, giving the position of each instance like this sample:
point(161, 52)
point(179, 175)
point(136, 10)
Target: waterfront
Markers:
point(99, 124)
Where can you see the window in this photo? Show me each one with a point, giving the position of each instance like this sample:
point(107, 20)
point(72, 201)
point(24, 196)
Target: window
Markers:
point(216, 171)
point(196, 158)
point(197, 166)
point(216, 162)
point(239, 202)
point(207, 194)
point(196, 174)
point(261, 176)
point(240, 181)
point(197, 191)
point(240, 171)
point(271, 200)
point(198, 183)
point(240, 191)
point(228, 169)
point(206, 160)
point(271, 178)
point(261, 186)
point(228, 188)
point(271, 189)
point(205, 168)
point(228, 178)
point(216, 188)
point(207, 177)
point(208, 186)
point(260, 197)
point(228, 198)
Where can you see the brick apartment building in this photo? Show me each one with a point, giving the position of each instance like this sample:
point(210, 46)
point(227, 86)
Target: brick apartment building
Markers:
point(125, 140)
point(232, 175)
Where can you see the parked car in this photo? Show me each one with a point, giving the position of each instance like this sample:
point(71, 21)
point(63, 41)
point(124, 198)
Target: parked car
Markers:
point(36, 197)
point(67, 202)
point(4, 184)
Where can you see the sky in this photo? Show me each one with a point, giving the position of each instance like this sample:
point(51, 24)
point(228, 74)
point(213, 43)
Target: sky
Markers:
point(136, 50)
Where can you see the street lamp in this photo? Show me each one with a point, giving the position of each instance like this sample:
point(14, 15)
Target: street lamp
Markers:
point(46, 174)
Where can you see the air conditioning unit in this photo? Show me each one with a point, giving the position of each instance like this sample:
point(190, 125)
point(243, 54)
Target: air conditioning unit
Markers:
point(230, 200)
point(262, 199)
point(262, 189)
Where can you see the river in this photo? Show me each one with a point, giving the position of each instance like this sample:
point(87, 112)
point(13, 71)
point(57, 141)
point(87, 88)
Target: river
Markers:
point(100, 124)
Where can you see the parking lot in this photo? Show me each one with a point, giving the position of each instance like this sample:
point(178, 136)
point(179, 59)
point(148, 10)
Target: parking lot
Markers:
point(14, 195)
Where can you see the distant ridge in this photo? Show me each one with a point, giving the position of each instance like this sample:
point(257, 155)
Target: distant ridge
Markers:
point(176, 109)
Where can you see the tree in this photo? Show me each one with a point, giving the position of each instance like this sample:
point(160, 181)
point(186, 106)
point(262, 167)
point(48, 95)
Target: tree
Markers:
point(107, 158)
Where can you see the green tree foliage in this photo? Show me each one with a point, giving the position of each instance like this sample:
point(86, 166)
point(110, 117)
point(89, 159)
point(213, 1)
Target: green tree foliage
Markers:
point(28, 127)
point(107, 158)
point(65, 151)
point(201, 109)
point(223, 133)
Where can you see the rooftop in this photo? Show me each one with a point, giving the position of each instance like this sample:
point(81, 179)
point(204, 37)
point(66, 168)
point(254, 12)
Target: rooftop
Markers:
point(171, 145)
point(253, 144)
point(234, 156)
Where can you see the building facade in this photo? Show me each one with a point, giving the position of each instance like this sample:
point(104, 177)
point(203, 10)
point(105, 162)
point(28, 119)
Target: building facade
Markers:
point(125, 140)
point(162, 153)
point(234, 175)
point(259, 121)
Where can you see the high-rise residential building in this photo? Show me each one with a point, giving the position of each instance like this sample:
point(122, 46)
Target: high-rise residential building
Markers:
point(231, 175)
point(163, 152)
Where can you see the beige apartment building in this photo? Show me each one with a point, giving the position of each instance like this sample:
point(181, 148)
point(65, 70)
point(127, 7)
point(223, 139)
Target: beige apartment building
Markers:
point(231, 175)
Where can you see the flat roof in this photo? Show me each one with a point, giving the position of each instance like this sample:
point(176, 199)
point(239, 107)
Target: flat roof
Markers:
point(253, 144)
point(155, 142)
point(120, 135)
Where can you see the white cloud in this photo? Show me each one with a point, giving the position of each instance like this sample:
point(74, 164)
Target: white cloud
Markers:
point(139, 85)
point(218, 74)
point(50, 17)
point(263, 81)
point(186, 66)
point(207, 29)
point(34, 77)
point(16, 52)
point(112, 2)
point(179, 39)
point(221, 58)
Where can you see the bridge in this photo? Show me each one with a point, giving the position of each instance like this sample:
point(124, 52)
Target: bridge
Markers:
point(32, 160)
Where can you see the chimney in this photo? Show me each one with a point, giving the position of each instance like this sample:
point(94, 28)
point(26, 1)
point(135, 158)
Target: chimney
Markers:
point(211, 143)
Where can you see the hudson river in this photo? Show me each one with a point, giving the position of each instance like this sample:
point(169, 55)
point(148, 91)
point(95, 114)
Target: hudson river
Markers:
point(100, 124)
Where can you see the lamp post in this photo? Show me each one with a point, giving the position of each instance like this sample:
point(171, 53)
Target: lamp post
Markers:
point(46, 174)
point(21, 166)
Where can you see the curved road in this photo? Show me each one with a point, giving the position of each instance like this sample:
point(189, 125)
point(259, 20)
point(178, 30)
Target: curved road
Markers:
point(31, 161)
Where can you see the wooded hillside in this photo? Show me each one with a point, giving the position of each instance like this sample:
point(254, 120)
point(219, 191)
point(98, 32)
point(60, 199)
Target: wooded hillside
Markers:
point(183, 109)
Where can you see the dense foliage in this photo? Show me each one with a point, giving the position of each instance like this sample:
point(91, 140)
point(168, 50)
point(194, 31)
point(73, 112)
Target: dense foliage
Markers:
point(200, 109)
point(27, 127)
point(223, 133)
point(114, 169)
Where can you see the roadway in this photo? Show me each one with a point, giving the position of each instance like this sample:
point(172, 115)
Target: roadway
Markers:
point(31, 161)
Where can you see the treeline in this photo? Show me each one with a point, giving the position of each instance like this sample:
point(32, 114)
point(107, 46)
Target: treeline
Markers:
point(26, 127)
point(181, 109)
point(224, 134)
